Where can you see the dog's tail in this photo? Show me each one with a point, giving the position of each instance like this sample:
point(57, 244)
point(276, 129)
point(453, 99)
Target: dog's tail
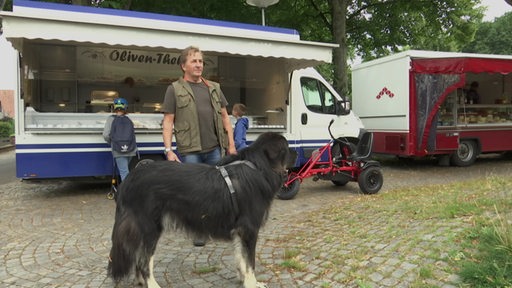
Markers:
point(126, 241)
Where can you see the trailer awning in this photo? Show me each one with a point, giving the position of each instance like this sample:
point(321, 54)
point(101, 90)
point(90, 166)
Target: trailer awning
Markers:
point(109, 27)
point(461, 65)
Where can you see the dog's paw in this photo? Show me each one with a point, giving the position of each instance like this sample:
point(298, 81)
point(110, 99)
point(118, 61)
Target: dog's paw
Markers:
point(255, 285)
point(152, 283)
point(261, 285)
point(139, 280)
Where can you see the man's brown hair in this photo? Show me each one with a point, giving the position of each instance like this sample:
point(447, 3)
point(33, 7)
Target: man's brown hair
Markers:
point(187, 51)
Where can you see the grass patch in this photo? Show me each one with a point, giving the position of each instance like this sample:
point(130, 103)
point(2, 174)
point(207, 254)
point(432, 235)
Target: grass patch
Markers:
point(426, 272)
point(444, 223)
point(206, 270)
point(291, 261)
point(293, 265)
point(491, 264)
point(291, 253)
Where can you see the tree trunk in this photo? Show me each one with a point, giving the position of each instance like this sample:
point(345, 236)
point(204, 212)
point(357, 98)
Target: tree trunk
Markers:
point(339, 31)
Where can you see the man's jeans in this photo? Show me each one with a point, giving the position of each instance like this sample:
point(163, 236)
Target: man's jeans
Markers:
point(210, 158)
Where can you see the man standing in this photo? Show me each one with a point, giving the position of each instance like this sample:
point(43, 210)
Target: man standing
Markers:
point(195, 109)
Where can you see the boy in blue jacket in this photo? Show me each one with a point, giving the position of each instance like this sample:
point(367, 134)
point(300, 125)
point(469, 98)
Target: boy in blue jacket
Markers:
point(241, 126)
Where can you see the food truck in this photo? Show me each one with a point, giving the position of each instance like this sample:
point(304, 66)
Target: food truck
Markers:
point(74, 60)
point(417, 104)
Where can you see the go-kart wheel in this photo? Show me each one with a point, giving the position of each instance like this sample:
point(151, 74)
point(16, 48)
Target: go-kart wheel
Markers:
point(288, 192)
point(370, 180)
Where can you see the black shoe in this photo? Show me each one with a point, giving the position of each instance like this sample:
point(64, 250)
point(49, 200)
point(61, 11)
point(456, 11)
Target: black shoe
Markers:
point(199, 242)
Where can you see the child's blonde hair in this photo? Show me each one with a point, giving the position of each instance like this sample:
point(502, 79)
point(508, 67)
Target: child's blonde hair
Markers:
point(240, 109)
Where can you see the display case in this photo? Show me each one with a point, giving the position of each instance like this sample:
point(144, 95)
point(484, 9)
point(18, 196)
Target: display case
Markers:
point(448, 111)
point(259, 124)
point(482, 114)
point(454, 112)
point(37, 122)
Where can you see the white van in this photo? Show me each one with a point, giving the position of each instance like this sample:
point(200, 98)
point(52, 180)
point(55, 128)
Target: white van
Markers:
point(70, 73)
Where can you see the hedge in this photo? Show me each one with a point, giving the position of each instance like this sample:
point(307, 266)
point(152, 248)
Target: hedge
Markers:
point(6, 127)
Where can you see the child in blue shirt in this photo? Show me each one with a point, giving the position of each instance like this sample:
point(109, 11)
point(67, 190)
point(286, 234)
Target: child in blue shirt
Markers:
point(241, 126)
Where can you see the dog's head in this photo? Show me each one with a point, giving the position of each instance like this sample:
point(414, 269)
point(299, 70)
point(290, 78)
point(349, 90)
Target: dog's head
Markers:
point(275, 148)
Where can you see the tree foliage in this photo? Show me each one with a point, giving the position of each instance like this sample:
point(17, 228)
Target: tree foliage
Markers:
point(374, 28)
point(493, 37)
point(362, 28)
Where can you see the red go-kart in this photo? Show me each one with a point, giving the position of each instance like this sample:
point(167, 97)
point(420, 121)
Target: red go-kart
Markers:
point(339, 161)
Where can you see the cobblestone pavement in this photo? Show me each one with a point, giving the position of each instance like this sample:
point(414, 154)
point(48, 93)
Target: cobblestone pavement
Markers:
point(58, 235)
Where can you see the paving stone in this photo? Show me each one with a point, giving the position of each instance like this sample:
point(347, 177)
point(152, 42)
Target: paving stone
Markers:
point(376, 277)
point(58, 235)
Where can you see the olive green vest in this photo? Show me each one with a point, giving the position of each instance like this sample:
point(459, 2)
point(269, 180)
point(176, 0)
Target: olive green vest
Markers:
point(186, 120)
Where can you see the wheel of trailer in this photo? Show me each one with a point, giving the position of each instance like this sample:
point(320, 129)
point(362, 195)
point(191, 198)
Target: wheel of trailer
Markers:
point(370, 180)
point(288, 192)
point(466, 154)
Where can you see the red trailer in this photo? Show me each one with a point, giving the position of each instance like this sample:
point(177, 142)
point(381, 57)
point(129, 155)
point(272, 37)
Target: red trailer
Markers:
point(418, 103)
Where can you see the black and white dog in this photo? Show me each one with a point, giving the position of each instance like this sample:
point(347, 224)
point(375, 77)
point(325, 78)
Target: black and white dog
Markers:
point(227, 202)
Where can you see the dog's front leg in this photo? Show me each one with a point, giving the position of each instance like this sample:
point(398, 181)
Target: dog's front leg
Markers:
point(151, 280)
point(239, 257)
point(244, 260)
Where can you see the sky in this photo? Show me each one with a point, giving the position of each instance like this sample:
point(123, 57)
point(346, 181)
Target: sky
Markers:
point(495, 8)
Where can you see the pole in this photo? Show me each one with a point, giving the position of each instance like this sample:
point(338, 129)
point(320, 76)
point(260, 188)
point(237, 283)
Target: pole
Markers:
point(263, 16)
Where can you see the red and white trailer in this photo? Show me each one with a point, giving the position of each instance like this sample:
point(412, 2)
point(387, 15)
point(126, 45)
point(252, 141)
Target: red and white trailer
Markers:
point(415, 103)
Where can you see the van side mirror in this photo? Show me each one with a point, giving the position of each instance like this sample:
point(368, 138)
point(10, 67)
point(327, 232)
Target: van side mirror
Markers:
point(342, 108)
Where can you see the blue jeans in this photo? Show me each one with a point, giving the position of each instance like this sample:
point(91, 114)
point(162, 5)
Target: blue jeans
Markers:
point(210, 158)
point(122, 166)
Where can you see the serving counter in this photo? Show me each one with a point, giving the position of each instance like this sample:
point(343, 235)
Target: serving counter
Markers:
point(49, 122)
point(61, 122)
point(453, 113)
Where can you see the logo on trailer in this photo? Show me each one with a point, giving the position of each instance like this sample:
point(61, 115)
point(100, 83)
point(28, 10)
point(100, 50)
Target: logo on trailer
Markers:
point(385, 91)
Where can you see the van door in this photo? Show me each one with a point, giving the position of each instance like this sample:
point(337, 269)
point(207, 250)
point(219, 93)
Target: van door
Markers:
point(317, 106)
point(313, 105)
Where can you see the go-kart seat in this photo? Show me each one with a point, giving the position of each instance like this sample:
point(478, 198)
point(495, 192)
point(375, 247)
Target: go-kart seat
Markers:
point(364, 147)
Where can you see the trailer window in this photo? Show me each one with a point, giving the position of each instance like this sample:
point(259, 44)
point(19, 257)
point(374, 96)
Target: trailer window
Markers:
point(317, 97)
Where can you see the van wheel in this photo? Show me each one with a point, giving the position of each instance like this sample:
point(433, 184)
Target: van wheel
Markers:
point(465, 155)
point(370, 180)
point(288, 192)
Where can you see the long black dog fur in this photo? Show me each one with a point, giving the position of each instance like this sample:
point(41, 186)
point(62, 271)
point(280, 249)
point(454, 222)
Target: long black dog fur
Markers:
point(195, 198)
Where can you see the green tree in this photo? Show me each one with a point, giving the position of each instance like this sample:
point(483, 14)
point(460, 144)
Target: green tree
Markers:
point(374, 28)
point(493, 37)
point(363, 28)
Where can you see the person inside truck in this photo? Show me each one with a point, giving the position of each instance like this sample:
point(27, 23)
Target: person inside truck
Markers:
point(195, 109)
point(472, 96)
point(128, 91)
